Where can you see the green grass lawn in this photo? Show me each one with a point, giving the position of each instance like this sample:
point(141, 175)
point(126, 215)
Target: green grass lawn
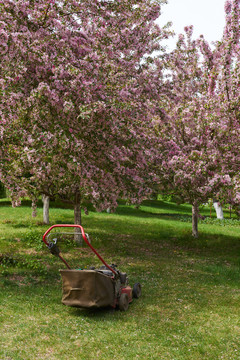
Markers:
point(190, 304)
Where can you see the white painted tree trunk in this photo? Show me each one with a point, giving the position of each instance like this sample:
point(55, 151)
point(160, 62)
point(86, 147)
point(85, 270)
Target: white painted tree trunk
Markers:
point(45, 200)
point(219, 210)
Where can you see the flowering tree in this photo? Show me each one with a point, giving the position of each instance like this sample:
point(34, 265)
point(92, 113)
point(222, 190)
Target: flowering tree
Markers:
point(225, 101)
point(77, 98)
point(186, 152)
point(199, 138)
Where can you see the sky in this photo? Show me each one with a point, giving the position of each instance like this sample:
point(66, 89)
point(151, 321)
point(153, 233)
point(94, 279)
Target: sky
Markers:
point(207, 17)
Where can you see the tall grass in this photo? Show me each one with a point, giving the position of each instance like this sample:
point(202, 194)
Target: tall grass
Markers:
point(191, 288)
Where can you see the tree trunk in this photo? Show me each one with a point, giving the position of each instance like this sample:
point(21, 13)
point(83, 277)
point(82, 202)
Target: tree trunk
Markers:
point(45, 200)
point(77, 217)
point(219, 210)
point(34, 208)
point(211, 203)
point(195, 220)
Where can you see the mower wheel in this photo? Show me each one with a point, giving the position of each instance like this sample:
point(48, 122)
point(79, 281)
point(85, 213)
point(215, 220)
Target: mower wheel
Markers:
point(123, 302)
point(137, 290)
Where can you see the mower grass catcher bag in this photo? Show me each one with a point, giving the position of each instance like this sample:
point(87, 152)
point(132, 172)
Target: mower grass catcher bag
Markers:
point(87, 289)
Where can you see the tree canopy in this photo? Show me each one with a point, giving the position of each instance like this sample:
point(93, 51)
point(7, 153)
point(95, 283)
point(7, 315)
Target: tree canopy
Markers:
point(77, 97)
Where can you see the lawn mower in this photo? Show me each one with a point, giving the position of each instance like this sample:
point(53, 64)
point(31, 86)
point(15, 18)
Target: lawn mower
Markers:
point(92, 288)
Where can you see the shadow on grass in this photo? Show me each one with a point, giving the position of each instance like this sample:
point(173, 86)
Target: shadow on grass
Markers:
point(55, 204)
point(157, 204)
point(6, 203)
point(28, 203)
point(215, 246)
point(96, 314)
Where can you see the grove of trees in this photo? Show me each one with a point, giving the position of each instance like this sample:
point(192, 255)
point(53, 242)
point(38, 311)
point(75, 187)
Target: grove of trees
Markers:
point(92, 108)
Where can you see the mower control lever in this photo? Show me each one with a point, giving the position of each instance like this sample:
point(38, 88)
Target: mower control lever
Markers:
point(53, 247)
